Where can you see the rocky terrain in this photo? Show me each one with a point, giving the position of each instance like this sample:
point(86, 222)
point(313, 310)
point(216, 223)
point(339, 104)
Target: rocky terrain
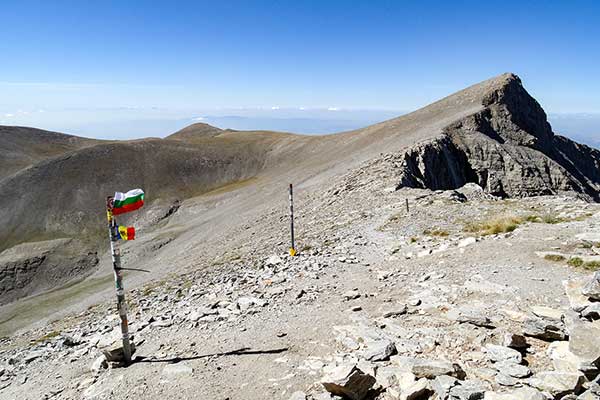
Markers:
point(446, 254)
point(456, 298)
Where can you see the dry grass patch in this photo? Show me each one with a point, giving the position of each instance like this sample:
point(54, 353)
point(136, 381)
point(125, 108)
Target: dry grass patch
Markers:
point(495, 225)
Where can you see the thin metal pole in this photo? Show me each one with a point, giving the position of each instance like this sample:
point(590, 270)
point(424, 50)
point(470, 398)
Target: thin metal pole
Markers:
point(293, 248)
point(116, 259)
point(407, 210)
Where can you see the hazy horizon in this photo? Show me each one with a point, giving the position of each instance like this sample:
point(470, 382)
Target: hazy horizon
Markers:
point(127, 123)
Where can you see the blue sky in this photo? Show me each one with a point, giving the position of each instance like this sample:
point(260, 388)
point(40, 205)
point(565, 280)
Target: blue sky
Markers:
point(97, 69)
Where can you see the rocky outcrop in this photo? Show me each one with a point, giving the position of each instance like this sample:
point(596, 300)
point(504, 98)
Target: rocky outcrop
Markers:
point(438, 164)
point(508, 148)
point(33, 267)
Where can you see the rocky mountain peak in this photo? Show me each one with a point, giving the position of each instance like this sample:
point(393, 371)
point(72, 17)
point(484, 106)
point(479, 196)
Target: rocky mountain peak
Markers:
point(507, 147)
point(516, 115)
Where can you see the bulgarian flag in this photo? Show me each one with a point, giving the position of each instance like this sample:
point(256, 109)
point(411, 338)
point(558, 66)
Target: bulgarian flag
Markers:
point(126, 232)
point(130, 201)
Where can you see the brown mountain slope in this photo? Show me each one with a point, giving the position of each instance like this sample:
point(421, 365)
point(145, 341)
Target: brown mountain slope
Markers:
point(65, 195)
point(21, 147)
point(197, 130)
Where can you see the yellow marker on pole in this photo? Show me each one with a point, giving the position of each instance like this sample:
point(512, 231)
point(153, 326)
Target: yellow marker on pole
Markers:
point(293, 248)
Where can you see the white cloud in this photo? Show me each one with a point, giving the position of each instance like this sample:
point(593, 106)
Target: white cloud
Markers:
point(302, 108)
point(9, 115)
point(198, 119)
point(333, 109)
point(275, 108)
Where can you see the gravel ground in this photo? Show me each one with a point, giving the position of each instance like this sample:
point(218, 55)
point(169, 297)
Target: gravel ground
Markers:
point(242, 320)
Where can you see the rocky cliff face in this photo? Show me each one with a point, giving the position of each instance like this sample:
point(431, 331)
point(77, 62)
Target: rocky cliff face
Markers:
point(508, 148)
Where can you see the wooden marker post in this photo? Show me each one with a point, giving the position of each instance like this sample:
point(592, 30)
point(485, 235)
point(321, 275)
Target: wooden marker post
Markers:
point(116, 259)
point(407, 209)
point(293, 248)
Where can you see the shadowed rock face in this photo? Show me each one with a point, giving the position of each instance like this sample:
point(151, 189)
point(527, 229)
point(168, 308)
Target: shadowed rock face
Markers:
point(508, 148)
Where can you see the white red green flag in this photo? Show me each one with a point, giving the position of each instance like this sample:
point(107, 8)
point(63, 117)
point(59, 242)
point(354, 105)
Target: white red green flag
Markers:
point(126, 202)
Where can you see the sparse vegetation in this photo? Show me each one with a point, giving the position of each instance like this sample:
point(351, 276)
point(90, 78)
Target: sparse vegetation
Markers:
point(436, 232)
point(413, 239)
point(554, 257)
point(552, 219)
point(46, 337)
point(394, 218)
point(575, 262)
point(495, 226)
point(306, 247)
point(592, 265)
point(532, 218)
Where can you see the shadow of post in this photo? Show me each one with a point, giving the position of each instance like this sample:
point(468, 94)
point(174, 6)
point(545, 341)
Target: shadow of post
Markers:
point(238, 352)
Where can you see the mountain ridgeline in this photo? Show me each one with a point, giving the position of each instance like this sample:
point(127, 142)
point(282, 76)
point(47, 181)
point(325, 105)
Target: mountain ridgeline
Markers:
point(53, 186)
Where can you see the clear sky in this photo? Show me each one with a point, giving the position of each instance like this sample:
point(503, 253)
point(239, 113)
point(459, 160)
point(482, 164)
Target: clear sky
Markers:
point(87, 68)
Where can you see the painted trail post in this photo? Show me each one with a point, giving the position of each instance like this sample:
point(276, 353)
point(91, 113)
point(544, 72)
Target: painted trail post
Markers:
point(293, 247)
point(120, 204)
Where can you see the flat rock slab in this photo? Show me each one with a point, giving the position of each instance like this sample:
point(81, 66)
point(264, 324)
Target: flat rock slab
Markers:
point(525, 393)
point(379, 350)
point(430, 369)
point(513, 369)
point(544, 328)
point(468, 390)
point(547, 313)
point(502, 354)
point(558, 384)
